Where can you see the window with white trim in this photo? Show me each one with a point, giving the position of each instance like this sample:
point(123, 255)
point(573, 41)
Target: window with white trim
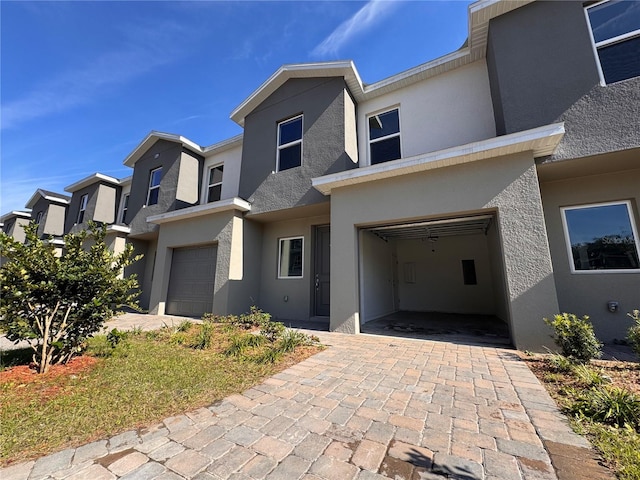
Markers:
point(290, 257)
point(83, 207)
point(214, 189)
point(125, 207)
point(289, 144)
point(601, 237)
point(154, 186)
point(384, 136)
point(615, 31)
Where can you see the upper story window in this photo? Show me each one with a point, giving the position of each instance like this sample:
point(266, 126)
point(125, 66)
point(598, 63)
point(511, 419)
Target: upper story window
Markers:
point(83, 208)
point(125, 207)
point(601, 237)
point(214, 189)
point(154, 186)
point(289, 144)
point(615, 29)
point(384, 136)
point(39, 217)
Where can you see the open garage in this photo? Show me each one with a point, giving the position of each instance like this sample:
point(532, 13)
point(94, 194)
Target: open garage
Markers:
point(434, 278)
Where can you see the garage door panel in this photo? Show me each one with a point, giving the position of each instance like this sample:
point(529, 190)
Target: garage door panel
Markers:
point(191, 281)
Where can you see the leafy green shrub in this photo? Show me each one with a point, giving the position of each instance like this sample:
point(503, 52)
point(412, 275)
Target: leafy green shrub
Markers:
point(608, 404)
point(588, 376)
point(633, 335)
point(204, 337)
point(240, 343)
point(270, 355)
point(115, 336)
point(575, 337)
point(291, 339)
point(272, 331)
point(179, 338)
point(58, 302)
point(559, 363)
point(184, 326)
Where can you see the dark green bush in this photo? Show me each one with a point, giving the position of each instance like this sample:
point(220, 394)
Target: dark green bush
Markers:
point(633, 335)
point(575, 337)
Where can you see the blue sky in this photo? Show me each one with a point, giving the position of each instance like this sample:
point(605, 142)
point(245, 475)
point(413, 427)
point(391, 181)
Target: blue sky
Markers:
point(84, 82)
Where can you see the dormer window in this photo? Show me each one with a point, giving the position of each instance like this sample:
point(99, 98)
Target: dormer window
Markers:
point(384, 136)
point(289, 144)
point(83, 207)
point(615, 29)
point(154, 186)
point(214, 190)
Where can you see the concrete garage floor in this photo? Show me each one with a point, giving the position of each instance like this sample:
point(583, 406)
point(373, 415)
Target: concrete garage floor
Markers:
point(483, 330)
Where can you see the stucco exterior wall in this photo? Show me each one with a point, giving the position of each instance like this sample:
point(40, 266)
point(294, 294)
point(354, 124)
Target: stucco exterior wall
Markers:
point(16, 229)
point(167, 155)
point(105, 208)
point(322, 102)
point(288, 298)
point(138, 268)
point(232, 160)
point(543, 70)
point(444, 111)
point(509, 186)
point(588, 293)
point(53, 218)
point(234, 285)
point(101, 206)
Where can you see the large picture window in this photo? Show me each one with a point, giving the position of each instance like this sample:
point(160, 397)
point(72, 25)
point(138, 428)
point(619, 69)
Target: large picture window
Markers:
point(615, 29)
point(154, 186)
point(214, 190)
point(384, 136)
point(289, 144)
point(290, 256)
point(601, 237)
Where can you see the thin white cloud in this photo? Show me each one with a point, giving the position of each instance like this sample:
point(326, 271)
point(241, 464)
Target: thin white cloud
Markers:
point(83, 85)
point(362, 20)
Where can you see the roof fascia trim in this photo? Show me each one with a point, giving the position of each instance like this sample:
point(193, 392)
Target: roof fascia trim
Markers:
point(91, 179)
point(540, 141)
point(152, 138)
point(235, 203)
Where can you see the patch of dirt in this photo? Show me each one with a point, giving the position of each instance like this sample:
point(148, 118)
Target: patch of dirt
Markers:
point(26, 374)
point(622, 374)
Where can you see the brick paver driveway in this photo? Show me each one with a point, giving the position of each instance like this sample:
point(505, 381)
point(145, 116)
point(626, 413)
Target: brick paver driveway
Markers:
point(365, 408)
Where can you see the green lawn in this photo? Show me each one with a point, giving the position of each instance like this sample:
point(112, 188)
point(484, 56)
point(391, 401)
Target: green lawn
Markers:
point(147, 378)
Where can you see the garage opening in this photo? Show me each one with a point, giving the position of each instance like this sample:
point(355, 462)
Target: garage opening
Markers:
point(191, 281)
point(437, 279)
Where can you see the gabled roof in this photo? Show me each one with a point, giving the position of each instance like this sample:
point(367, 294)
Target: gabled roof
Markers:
point(152, 138)
point(13, 214)
point(91, 179)
point(50, 196)
point(473, 49)
point(223, 145)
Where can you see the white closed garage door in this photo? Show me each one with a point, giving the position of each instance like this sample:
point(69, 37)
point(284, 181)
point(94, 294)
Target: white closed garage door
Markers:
point(193, 273)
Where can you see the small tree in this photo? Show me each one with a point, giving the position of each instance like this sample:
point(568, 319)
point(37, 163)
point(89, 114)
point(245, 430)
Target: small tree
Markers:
point(57, 302)
point(633, 334)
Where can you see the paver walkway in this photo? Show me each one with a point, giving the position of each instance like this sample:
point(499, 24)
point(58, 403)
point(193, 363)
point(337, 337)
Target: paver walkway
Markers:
point(366, 408)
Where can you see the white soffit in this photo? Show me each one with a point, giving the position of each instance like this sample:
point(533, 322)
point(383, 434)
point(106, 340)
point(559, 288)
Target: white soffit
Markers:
point(200, 210)
point(15, 213)
point(50, 196)
point(541, 141)
point(85, 182)
point(152, 138)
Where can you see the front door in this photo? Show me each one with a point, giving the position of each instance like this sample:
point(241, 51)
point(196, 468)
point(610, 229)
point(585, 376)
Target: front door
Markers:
point(321, 267)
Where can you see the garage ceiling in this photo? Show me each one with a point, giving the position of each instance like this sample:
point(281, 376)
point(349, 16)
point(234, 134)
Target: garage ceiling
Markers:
point(434, 229)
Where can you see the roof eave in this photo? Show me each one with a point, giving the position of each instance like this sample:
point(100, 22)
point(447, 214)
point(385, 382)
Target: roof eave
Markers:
point(91, 179)
point(152, 138)
point(541, 141)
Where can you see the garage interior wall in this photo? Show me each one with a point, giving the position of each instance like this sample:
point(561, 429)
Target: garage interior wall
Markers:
point(376, 279)
point(438, 285)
